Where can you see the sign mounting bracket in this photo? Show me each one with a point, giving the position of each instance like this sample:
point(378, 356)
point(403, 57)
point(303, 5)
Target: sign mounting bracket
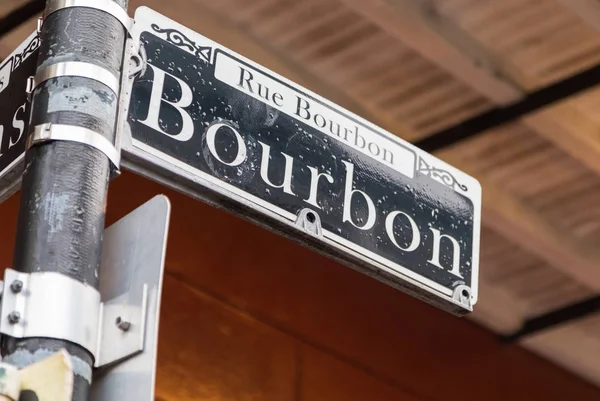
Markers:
point(110, 330)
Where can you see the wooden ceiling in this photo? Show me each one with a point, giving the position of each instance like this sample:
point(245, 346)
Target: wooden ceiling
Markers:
point(416, 67)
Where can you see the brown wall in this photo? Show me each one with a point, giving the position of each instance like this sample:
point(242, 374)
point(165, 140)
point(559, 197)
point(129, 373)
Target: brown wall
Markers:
point(250, 316)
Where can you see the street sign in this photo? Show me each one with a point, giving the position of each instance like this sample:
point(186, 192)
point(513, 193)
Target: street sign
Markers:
point(210, 123)
point(14, 113)
point(224, 129)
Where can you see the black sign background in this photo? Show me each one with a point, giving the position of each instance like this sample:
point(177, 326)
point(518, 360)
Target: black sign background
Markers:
point(11, 98)
point(427, 201)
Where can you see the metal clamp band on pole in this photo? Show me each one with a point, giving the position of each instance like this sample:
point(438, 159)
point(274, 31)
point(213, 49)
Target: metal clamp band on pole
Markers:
point(76, 69)
point(60, 132)
point(108, 6)
point(50, 305)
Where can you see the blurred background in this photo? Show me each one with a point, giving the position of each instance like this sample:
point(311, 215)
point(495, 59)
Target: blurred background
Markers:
point(506, 90)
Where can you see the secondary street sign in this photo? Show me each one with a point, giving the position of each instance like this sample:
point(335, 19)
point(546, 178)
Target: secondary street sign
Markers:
point(213, 124)
point(14, 113)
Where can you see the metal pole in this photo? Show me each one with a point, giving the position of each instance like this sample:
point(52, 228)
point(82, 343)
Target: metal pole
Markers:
point(65, 183)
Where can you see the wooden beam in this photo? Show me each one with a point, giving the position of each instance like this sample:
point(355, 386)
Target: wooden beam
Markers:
point(422, 29)
point(523, 225)
point(11, 41)
point(587, 10)
point(571, 346)
point(571, 130)
point(498, 310)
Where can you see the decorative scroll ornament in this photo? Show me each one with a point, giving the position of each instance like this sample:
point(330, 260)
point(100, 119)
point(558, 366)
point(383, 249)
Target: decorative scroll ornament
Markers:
point(28, 51)
point(440, 175)
point(180, 40)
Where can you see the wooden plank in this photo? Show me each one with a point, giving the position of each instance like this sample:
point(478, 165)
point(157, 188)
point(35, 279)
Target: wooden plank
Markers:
point(13, 39)
point(570, 346)
point(524, 226)
point(430, 35)
point(571, 130)
point(587, 10)
point(209, 351)
point(497, 309)
point(324, 378)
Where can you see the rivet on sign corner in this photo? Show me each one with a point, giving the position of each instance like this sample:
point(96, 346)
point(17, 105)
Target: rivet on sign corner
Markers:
point(310, 222)
point(462, 294)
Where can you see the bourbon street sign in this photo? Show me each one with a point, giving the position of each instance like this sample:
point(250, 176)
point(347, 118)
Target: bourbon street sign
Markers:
point(219, 127)
point(14, 113)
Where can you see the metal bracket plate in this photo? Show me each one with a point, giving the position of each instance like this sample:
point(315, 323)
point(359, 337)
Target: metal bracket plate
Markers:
point(116, 323)
point(61, 132)
point(75, 69)
point(56, 306)
point(133, 255)
point(122, 325)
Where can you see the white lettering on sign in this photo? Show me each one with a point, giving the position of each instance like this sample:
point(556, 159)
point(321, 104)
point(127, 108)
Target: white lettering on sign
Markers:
point(349, 192)
point(435, 257)
point(157, 99)
point(314, 185)
point(314, 113)
point(415, 234)
point(358, 208)
point(264, 169)
point(19, 124)
point(211, 135)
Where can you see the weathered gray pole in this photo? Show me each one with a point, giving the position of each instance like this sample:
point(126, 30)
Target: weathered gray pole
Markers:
point(64, 190)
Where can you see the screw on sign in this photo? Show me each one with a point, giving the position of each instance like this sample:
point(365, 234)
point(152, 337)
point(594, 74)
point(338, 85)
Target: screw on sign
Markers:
point(122, 324)
point(14, 317)
point(16, 286)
